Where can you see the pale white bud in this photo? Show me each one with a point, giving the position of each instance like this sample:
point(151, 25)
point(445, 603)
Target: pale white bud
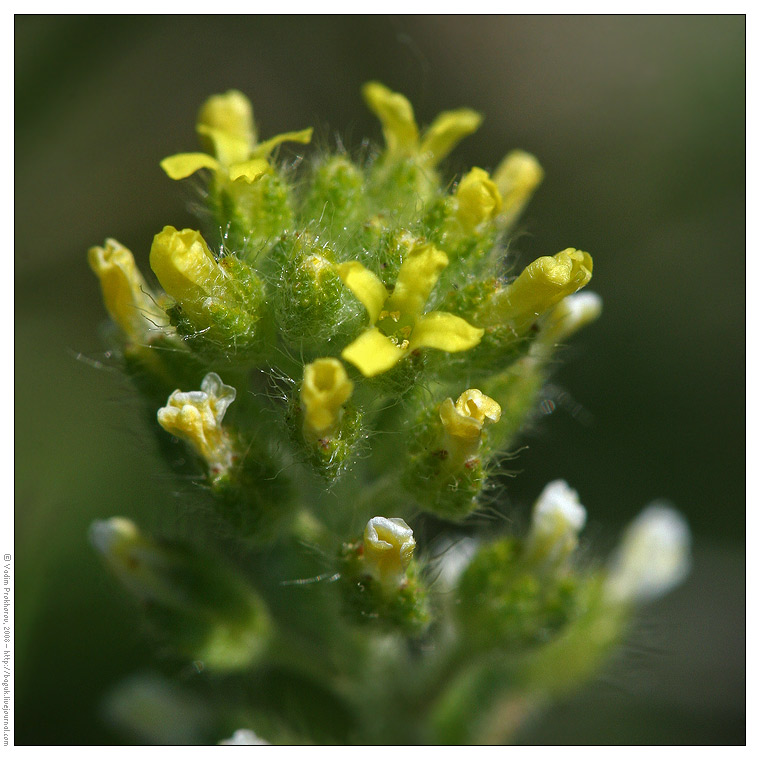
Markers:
point(558, 517)
point(653, 556)
point(243, 736)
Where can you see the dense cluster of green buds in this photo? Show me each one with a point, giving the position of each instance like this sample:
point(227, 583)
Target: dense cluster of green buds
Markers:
point(342, 355)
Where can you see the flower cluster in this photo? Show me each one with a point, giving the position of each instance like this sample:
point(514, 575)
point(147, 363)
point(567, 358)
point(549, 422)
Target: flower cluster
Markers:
point(382, 364)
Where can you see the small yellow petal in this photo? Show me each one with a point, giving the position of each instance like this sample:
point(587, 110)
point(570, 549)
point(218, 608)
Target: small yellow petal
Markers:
point(249, 170)
point(396, 116)
point(183, 165)
point(476, 405)
point(262, 150)
point(419, 272)
point(373, 353)
point(325, 389)
point(446, 132)
point(461, 427)
point(230, 113)
point(517, 178)
point(229, 149)
point(478, 199)
point(126, 295)
point(366, 286)
point(447, 332)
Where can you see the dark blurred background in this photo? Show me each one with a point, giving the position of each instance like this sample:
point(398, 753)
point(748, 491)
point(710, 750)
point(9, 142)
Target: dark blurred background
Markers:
point(639, 124)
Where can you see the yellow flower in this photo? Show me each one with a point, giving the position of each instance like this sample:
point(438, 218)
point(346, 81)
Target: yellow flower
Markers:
point(196, 417)
point(542, 284)
point(517, 178)
point(325, 389)
point(126, 295)
point(397, 322)
point(225, 126)
point(187, 270)
point(402, 136)
point(478, 199)
point(388, 548)
point(464, 421)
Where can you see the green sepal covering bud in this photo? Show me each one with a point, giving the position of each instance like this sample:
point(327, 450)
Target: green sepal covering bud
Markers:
point(314, 311)
point(517, 390)
point(336, 203)
point(204, 609)
point(402, 190)
point(447, 455)
point(380, 580)
point(257, 212)
point(505, 602)
point(254, 496)
point(501, 344)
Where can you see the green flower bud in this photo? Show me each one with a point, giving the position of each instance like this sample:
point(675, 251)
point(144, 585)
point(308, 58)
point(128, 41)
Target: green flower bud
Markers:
point(314, 311)
point(505, 603)
point(336, 202)
point(205, 610)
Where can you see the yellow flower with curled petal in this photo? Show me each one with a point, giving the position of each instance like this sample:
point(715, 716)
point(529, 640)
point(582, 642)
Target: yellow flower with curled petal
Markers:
point(196, 417)
point(225, 126)
point(478, 199)
point(126, 295)
point(541, 285)
point(388, 548)
point(464, 422)
point(398, 325)
point(325, 389)
point(402, 135)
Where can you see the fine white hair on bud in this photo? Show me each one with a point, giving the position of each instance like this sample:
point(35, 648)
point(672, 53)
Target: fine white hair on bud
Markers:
point(558, 517)
point(653, 556)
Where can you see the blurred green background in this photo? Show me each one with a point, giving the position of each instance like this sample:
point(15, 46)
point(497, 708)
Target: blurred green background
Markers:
point(639, 124)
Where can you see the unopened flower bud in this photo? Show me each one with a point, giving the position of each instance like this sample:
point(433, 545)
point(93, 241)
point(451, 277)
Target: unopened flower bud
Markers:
point(388, 548)
point(324, 391)
point(517, 178)
point(126, 295)
point(478, 199)
point(653, 556)
point(570, 315)
point(558, 517)
point(188, 271)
